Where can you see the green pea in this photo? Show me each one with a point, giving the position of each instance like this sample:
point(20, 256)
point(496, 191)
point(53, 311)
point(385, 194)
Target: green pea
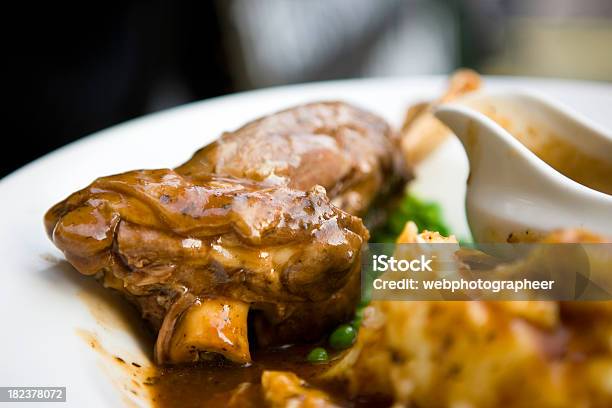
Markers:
point(317, 355)
point(343, 337)
point(366, 296)
point(356, 322)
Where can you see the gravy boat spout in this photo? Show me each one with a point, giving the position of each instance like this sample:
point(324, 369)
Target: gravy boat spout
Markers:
point(534, 167)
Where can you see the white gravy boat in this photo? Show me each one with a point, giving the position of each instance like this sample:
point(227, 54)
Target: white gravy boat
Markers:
point(534, 166)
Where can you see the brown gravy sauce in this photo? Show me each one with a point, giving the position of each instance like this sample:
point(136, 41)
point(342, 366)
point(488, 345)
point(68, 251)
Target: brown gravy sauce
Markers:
point(227, 385)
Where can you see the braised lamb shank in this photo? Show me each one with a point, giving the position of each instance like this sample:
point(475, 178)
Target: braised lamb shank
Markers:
point(259, 231)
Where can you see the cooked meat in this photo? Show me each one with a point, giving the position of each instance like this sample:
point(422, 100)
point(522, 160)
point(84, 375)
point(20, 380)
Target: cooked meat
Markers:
point(349, 152)
point(171, 244)
point(243, 232)
point(558, 354)
point(284, 389)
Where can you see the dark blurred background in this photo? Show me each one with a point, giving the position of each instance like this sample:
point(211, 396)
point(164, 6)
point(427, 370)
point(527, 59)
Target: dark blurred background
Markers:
point(73, 69)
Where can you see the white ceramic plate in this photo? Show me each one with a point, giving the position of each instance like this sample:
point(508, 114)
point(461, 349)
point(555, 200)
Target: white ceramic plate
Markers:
point(51, 316)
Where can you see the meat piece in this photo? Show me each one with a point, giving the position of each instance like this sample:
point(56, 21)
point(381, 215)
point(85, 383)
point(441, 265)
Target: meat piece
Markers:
point(243, 232)
point(284, 389)
point(157, 234)
point(351, 153)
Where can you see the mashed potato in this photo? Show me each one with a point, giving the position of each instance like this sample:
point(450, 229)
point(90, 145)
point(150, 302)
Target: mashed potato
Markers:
point(483, 354)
